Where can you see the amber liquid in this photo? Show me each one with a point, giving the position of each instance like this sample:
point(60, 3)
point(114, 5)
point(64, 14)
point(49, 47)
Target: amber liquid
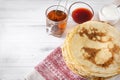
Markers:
point(56, 15)
point(59, 18)
point(81, 15)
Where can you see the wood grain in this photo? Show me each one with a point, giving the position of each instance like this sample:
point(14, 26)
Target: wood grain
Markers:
point(23, 39)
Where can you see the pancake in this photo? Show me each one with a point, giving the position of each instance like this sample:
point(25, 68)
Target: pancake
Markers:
point(92, 49)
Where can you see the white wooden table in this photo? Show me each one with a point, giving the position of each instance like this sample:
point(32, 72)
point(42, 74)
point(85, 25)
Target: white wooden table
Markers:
point(23, 40)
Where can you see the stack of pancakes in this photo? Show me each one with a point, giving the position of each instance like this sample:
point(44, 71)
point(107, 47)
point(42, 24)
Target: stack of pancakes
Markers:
point(92, 50)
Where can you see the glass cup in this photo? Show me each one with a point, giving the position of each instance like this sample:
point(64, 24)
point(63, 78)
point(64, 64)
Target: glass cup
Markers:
point(56, 20)
point(110, 13)
point(81, 12)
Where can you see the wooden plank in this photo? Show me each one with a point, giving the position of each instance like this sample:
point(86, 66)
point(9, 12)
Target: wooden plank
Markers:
point(14, 73)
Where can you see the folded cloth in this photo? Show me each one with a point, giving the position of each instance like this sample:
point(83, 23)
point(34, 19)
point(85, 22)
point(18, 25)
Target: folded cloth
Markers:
point(53, 67)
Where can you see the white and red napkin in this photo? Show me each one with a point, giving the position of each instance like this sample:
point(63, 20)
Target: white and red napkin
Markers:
point(53, 67)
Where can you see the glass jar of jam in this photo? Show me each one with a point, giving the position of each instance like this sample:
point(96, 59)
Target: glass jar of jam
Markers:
point(81, 12)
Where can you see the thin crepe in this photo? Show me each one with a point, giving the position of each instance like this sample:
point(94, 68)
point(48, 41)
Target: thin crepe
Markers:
point(92, 49)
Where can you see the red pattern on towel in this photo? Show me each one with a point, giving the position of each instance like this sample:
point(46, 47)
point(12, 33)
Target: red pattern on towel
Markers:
point(53, 67)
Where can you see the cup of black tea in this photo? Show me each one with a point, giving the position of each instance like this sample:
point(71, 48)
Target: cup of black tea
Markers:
point(56, 20)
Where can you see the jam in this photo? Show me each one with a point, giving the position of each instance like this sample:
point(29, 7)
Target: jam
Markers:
point(81, 15)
